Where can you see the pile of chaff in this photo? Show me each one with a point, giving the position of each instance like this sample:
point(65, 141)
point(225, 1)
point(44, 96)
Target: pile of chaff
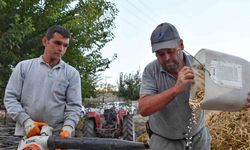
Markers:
point(229, 130)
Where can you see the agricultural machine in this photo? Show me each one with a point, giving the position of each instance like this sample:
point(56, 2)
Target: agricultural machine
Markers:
point(111, 124)
point(116, 126)
point(111, 130)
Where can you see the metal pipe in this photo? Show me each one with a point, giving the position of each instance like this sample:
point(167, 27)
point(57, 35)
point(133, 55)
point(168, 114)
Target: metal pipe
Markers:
point(92, 143)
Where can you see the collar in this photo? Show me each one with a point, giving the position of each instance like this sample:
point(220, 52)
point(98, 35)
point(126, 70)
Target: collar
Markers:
point(61, 63)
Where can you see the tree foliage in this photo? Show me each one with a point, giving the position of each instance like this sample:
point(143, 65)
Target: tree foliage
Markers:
point(24, 22)
point(129, 85)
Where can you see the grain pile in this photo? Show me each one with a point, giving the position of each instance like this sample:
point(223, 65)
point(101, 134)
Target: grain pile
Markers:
point(229, 130)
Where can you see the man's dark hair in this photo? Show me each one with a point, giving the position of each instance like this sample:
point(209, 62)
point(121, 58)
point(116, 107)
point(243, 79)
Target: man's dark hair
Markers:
point(59, 29)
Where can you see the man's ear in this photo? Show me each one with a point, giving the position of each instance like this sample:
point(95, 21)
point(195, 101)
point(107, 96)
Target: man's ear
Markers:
point(181, 44)
point(45, 41)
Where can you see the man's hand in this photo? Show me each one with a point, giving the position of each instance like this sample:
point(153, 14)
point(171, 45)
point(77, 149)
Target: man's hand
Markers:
point(66, 132)
point(248, 101)
point(46, 131)
point(185, 77)
point(33, 128)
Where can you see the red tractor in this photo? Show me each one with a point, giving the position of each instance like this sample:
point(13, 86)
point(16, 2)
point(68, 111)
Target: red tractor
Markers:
point(111, 124)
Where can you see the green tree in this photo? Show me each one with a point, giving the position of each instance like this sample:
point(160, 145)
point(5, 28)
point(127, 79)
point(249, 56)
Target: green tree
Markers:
point(129, 85)
point(23, 23)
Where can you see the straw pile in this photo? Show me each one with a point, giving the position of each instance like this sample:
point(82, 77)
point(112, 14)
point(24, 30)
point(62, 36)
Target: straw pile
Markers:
point(229, 130)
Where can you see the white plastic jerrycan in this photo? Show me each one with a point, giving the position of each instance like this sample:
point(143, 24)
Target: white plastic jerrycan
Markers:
point(227, 80)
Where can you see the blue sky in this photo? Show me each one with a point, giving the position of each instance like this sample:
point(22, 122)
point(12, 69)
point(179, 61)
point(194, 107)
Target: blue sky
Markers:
point(221, 25)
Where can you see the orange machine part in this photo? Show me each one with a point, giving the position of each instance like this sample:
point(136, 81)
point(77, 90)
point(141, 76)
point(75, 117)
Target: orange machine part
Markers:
point(32, 147)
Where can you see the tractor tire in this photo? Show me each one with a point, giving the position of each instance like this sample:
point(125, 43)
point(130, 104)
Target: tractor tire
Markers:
point(88, 129)
point(128, 131)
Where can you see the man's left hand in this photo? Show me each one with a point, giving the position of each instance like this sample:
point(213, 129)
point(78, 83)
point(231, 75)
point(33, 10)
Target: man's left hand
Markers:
point(248, 101)
point(66, 132)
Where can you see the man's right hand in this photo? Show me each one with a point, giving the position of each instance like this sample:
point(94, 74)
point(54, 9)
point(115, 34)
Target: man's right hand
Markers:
point(33, 128)
point(185, 77)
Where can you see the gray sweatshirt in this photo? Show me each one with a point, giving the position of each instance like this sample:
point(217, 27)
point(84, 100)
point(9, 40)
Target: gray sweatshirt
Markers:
point(45, 94)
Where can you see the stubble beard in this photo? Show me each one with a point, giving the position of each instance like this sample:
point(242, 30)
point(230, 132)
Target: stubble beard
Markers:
point(171, 68)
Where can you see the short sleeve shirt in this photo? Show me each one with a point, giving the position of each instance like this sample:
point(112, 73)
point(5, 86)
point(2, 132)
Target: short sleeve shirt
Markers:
point(172, 121)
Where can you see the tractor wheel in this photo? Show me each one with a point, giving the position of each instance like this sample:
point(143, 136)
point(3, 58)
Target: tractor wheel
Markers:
point(128, 128)
point(88, 129)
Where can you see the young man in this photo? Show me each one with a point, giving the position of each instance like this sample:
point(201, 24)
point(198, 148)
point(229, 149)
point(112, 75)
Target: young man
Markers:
point(45, 91)
point(164, 95)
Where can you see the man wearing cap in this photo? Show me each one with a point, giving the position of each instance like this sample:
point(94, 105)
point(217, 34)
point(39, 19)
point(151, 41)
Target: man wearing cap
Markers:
point(164, 95)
